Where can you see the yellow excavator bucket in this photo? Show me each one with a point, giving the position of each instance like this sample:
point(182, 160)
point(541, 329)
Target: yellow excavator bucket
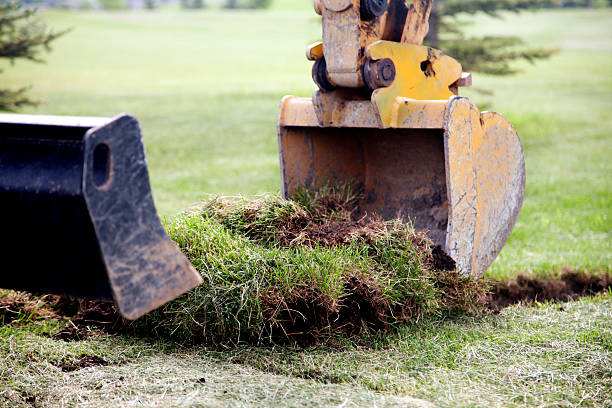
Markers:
point(387, 117)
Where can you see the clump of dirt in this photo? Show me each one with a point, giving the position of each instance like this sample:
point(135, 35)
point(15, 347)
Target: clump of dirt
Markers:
point(570, 285)
point(330, 217)
point(86, 317)
point(327, 217)
point(299, 315)
point(461, 295)
point(335, 232)
point(82, 361)
point(363, 304)
point(306, 316)
point(441, 261)
point(383, 293)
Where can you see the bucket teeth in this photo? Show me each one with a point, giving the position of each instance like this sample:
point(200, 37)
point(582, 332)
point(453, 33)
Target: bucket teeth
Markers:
point(82, 218)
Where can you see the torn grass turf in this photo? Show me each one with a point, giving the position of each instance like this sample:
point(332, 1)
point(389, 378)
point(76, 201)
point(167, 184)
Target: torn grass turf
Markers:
point(304, 271)
point(277, 270)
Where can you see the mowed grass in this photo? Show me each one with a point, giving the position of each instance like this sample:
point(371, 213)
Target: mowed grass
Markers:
point(206, 86)
point(553, 355)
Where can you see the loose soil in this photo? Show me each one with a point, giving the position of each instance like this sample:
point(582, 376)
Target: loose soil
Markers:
point(87, 317)
point(570, 285)
point(82, 361)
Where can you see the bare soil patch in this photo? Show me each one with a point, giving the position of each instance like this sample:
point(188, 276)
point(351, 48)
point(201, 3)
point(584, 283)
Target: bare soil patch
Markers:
point(82, 361)
point(87, 317)
point(570, 285)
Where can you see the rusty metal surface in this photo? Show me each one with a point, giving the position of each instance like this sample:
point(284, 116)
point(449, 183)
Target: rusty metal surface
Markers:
point(331, 109)
point(82, 219)
point(379, 73)
point(415, 114)
point(486, 184)
point(341, 24)
point(500, 181)
point(416, 26)
point(461, 186)
point(334, 109)
point(351, 26)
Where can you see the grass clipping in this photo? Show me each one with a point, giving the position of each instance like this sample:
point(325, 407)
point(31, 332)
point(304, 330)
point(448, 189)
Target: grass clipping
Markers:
point(277, 270)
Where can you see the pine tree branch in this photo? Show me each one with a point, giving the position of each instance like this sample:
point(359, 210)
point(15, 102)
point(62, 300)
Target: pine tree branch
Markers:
point(11, 100)
point(491, 54)
point(22, 35)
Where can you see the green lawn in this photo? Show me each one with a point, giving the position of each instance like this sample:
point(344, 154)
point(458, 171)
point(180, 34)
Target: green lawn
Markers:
point(206, 86)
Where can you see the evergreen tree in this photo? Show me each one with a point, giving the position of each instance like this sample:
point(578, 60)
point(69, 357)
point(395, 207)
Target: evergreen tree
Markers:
point(22, 35)
point(487, 54)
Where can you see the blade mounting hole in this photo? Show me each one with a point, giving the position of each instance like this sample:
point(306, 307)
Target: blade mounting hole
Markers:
point(101, 165)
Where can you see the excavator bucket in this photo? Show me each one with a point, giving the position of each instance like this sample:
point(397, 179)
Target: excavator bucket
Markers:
point(387, 118)
point(78, 214)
